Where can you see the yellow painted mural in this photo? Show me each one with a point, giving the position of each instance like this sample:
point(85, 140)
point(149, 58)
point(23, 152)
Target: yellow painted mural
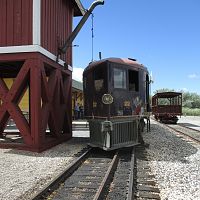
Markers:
point(77, 100)
point(24, 102)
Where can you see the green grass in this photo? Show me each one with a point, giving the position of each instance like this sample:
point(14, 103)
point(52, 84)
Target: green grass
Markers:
point(191, 112)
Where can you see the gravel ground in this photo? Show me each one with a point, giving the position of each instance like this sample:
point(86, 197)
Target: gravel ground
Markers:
point(175, 163)
point(23, 173)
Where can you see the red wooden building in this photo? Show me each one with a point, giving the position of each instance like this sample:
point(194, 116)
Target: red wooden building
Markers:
point(31, 31)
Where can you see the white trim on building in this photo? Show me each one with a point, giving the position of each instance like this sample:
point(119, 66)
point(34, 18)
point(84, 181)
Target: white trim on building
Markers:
point(32, 48)
point(36, 22)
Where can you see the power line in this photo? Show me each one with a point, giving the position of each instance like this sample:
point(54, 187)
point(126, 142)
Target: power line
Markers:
point(92, 30)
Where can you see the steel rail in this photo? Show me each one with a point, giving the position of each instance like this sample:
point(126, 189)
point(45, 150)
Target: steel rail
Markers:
point(99, 194)
point(180, 132)
point(61, 177)
point(131, 178)
point(189, 128)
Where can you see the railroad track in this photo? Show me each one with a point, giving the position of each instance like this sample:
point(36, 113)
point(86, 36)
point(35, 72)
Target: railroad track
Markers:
point(97, 174)
point(190, 133)
point(89, 177)
point(122, 185)
point(145, 186)
point(55, 183)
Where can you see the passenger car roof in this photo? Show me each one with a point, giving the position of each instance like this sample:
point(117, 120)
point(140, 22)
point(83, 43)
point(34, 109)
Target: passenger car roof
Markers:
point(167, 94)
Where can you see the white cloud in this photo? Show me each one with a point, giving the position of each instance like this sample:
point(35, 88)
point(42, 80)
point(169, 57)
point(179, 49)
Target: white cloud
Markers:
point(77, 74)
point(184, 89)
point(193, 76)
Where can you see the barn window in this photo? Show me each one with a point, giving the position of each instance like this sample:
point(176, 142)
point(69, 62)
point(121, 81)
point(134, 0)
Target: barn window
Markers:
point(119, 78)
point(133, 77)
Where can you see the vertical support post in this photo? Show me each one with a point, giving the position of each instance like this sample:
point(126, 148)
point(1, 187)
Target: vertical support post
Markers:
point(35, 103)
point(67, 128)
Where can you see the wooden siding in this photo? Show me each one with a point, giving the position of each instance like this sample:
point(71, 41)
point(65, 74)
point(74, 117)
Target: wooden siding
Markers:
point(56, 26)
point(15, 22)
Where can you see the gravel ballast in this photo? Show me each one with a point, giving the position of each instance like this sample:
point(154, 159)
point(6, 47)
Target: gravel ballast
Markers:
point(24, 173)
point(175, 163)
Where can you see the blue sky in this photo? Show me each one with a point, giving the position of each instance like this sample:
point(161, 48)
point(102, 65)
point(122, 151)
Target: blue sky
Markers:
point(164, 35)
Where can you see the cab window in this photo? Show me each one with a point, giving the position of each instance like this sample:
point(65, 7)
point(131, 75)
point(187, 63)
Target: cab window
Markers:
point(119, 78)
point(133, 77)
point(100, 78)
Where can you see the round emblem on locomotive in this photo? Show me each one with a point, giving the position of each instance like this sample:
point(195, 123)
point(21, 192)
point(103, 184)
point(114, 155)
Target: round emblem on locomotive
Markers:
point(107, 99)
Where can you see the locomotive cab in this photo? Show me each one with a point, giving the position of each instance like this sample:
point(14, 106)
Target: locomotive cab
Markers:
point(116, 93)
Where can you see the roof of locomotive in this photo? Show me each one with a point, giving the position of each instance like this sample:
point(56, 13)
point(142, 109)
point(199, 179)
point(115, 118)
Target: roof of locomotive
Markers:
point(166, 94)
point(122, 61)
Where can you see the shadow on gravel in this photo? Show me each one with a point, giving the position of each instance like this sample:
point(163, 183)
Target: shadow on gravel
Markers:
point(60, 150)
point(166, 146)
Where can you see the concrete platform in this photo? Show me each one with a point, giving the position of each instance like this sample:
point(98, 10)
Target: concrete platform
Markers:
point(190, 121)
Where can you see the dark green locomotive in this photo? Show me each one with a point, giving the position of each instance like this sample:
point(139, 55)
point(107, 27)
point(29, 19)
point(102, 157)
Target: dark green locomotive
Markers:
point(116, 101)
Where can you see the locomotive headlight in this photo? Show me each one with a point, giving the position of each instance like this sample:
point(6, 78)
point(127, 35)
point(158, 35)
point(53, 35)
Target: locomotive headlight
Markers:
point(107, 99)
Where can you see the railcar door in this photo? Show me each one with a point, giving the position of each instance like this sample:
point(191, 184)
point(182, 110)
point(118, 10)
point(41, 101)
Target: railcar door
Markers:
point(96, 85)
point(147, 93)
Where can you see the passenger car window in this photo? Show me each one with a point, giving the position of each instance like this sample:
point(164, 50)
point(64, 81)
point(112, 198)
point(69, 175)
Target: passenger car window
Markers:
point(119, 78)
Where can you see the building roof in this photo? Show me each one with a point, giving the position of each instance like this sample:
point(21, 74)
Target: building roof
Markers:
point(76, 85)
point(79, 10)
